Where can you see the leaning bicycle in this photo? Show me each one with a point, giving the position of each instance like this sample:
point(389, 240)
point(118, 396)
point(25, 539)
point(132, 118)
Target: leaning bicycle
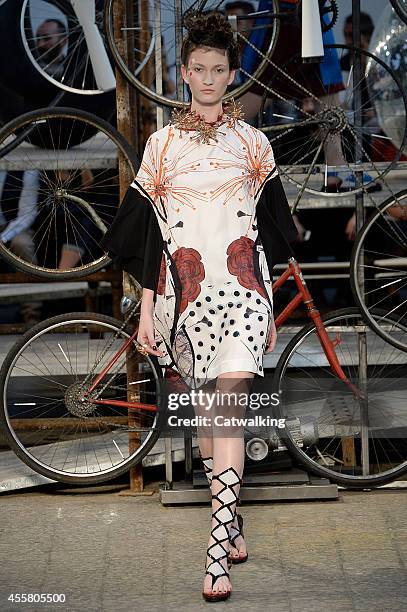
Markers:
point(378, 269)
point(80, 403)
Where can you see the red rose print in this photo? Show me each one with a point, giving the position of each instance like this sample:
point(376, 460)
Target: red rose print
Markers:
point(161, 279)
point(240, 264)
point(191, 272)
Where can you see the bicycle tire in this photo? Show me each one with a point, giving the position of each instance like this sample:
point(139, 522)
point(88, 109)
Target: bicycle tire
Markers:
point(304, 147)
point(6, 386)
point(360, 248)
point(76, 75)
point(96, 125)
point(33, 91)
point(162, 99)
point(280, 379)
point(400, 6)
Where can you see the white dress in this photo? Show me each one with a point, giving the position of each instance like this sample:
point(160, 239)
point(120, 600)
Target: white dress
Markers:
point(213, 304)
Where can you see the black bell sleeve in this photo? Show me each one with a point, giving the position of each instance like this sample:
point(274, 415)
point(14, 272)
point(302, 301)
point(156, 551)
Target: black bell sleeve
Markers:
point(134, 241)
point(275, 223)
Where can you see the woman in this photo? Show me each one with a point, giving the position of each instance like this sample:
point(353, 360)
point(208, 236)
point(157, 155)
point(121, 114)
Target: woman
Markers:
point(193, 230)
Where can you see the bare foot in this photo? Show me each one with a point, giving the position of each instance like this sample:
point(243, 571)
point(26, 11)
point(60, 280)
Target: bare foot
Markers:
point(222, 584)
point(238, 550)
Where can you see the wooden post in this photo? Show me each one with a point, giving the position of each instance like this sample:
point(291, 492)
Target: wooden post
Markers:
point(127, 125)
point(147, 74)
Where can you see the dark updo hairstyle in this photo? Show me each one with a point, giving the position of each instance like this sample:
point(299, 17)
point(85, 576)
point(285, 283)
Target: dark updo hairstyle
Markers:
point(210, 29)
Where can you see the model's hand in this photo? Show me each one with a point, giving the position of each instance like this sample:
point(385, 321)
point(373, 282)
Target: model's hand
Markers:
point(146, 335)
point(272, 339)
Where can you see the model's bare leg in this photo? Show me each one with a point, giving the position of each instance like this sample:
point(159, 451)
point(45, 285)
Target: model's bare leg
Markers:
point(228, 463)
point(239, 383)
point(237, 544)
point(204, 434)
point(238, 550)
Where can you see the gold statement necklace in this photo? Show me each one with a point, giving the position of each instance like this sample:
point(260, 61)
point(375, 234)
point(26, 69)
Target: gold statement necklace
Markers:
point(187, 119)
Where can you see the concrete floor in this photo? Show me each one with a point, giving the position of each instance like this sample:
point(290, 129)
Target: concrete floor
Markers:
point(108, 552)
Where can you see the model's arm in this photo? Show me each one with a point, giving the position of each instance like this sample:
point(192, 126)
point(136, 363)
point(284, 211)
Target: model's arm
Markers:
point(27, 207)
point(135, 243)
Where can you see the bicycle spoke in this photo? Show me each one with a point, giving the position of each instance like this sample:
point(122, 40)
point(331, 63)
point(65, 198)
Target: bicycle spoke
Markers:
point(75, 200)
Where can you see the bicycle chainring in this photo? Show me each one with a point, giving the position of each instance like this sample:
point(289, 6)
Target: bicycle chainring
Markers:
point(328, 8)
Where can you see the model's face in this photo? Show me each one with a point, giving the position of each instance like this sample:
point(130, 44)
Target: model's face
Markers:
point(208, 75)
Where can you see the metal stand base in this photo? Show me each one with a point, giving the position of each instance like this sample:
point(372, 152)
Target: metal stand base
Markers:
point(292, 485)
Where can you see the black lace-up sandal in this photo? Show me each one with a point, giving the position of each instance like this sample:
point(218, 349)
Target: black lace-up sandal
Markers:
point(235, 532)
point(208, 467)
point(224, 516)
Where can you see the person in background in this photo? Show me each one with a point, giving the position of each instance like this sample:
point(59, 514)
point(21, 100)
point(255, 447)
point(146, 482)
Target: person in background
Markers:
point(244, 26)
point(366, 31)
point(323, 80)
point(18, 211)
point(51, 41)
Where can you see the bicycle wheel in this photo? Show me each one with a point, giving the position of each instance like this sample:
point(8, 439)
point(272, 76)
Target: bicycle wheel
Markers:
point(355, 442)
point(45, 415)
point(400, 6)
point(378, 269)
point(142, 34)
point(70, 186)
point(314, 139)
point(70, 52)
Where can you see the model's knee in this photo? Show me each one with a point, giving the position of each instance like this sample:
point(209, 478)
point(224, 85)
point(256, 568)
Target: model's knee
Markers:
point(23, 245)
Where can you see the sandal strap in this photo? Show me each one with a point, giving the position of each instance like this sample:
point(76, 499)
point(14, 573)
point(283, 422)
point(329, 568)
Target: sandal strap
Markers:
point(208, 467)
point(238, 530)
point(224, 516)
point(227, 497)
point(217, 552)
point(217, 572)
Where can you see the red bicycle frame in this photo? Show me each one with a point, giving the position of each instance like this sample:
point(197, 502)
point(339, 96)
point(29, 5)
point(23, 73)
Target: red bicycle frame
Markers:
point(305, 297)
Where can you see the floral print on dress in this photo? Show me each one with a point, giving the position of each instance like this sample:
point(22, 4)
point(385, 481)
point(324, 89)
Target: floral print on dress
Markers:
point(191, 273)
point(251, 159)
point(159, 169)
point(240, 263)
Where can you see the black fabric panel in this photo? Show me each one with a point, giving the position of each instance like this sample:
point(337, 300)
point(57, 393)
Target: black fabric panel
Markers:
point(134, 241)
point(153, 253)
point(275, 223)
